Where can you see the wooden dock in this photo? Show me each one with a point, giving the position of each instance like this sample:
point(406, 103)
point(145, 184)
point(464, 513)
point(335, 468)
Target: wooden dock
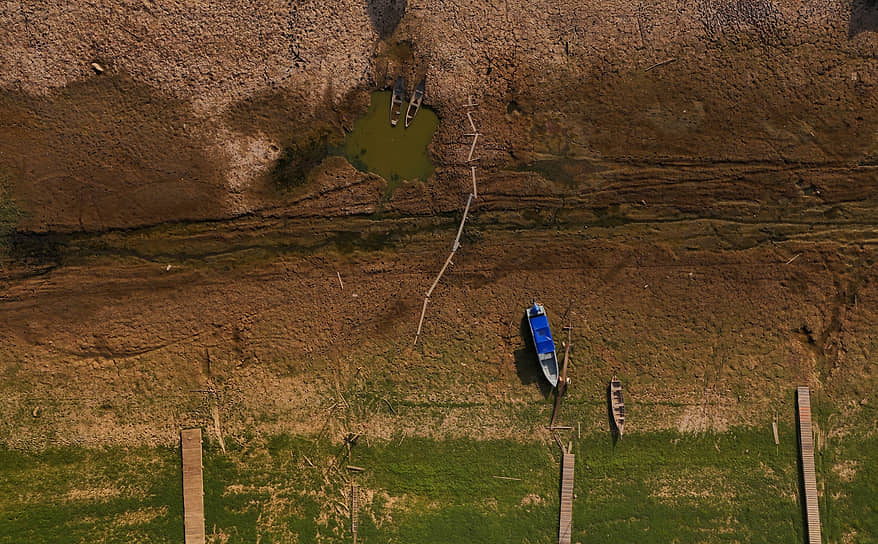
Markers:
point(806, 449)
point(566, 526)
point(193, 487)
point(355, 508)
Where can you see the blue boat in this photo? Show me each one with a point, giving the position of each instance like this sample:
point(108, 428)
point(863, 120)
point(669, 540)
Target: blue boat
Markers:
point(542, 336)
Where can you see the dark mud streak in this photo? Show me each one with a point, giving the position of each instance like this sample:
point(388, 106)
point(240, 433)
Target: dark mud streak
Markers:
point(864, 17)
point(106, 152)
point(385, 15)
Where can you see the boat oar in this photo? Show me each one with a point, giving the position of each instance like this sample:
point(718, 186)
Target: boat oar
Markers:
point(562, 383)
point(562, 387)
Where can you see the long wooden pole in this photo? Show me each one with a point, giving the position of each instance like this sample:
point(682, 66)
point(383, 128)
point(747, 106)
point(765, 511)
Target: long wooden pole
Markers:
point(456, 244)
point(444, 266)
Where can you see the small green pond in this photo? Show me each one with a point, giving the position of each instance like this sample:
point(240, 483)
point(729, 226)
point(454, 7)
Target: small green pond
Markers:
point(394, 153)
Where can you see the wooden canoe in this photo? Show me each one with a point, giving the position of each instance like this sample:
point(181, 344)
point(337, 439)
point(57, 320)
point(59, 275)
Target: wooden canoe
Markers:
point(415, 103)
point(617, 405)
point(396, 101)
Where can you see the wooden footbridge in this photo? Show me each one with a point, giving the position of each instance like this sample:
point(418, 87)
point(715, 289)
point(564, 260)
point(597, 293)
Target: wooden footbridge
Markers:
point(193, 487)
point(566, 526)
point(806, 449)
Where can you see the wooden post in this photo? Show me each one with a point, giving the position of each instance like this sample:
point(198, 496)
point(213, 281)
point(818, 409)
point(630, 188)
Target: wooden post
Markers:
point(475, 189)
point(472, 147)
point(471, 122)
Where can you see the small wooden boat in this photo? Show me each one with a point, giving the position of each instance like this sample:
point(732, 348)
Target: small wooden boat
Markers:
point(617, 405)
point(545, 346)
point(415, 102)
point(396, 100)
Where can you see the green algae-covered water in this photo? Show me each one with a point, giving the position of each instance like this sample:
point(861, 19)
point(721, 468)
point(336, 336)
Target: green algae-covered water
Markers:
point(394, 153)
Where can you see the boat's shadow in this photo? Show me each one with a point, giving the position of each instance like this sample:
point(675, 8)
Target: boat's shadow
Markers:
point(526, 364)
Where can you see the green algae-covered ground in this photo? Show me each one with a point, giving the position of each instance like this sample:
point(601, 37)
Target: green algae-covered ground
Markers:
point(660, 487)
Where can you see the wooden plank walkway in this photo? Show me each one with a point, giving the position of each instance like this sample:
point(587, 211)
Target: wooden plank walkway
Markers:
point(355, 508)
point(193, 487)
point(806, 448)
point(566, 526)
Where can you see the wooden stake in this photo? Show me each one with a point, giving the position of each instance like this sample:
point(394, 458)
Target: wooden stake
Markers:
point(475, 189)
point(472, 148)
point(421, 321)
point(471, 122)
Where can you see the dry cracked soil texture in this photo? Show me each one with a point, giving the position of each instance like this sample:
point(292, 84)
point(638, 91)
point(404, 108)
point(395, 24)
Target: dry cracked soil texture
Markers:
point(690, 185)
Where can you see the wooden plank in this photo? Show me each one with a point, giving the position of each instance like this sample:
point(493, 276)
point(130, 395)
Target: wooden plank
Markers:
point(566, 522)
point(806, 449)
point(355, 491)
point(193, 487)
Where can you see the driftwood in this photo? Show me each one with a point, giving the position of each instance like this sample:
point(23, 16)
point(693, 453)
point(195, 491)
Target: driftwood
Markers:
point(662, 63)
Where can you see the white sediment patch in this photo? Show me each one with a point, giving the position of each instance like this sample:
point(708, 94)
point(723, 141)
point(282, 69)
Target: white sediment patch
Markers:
point(247, 158)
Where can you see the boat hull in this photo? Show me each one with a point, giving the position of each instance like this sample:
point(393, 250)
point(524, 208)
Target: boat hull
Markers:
point(415, 103)
point(617, 405)
point(396, 101)
point(543, 342)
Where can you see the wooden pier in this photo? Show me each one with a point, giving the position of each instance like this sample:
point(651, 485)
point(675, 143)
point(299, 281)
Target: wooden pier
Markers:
point(566, 526)
point(193, 487)
point(355, 508)
point(806, 450)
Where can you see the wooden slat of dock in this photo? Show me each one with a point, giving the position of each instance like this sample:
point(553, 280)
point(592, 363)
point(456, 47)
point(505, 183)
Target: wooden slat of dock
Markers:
point(566, 525)
point(193, 487)
point(355, 508)
point(806, 446)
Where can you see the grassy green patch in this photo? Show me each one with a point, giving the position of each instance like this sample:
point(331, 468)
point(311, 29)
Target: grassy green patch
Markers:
point(649, 487)
point(76, 495)
point(846, 456)
point(655, 487)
